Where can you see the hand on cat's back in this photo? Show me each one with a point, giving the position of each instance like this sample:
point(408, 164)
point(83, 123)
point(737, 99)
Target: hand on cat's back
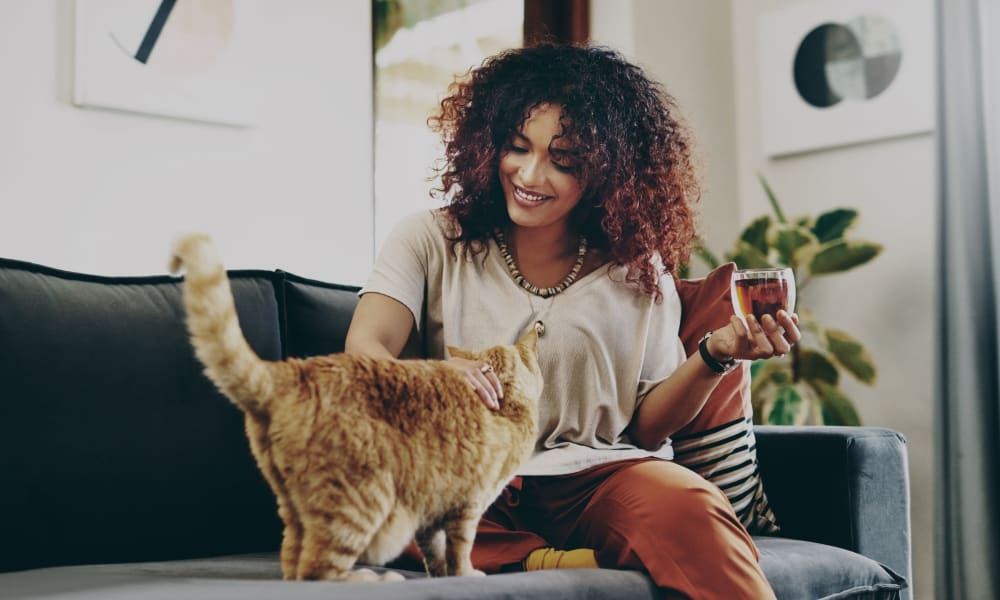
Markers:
point(482, 378)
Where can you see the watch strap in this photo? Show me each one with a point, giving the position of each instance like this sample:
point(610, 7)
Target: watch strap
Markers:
point(720, 367)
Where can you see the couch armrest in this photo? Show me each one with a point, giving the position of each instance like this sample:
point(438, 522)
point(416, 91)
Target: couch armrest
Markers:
point(843, 486)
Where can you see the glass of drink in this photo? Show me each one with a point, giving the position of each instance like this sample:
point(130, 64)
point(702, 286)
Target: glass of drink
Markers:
point(760, 292)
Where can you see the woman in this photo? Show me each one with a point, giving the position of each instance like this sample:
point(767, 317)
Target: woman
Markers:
point(570, 192)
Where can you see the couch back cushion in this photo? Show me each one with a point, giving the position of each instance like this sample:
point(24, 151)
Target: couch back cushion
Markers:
point(316, 315)
point(115, 447)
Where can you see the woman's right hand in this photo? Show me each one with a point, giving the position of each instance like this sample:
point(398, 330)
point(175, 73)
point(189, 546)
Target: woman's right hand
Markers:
point(480, 375)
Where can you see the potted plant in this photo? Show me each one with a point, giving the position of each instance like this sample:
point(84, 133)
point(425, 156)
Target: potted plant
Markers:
point(804, 386)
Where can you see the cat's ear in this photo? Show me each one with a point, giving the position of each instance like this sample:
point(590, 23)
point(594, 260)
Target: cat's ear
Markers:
point(529, 341)
point(458, 352)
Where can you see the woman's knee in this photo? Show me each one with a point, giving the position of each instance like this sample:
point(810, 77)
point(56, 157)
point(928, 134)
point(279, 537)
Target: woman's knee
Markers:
point(669, 494)
point(670, 507)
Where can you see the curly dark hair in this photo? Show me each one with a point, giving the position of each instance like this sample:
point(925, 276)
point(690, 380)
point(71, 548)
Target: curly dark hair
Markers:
point(635, 156)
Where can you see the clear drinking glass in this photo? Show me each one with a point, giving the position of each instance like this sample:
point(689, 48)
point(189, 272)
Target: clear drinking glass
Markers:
point(762, 292)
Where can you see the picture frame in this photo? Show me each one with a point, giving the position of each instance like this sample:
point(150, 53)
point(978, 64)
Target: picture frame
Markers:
point(838, 72)
point(181, 59)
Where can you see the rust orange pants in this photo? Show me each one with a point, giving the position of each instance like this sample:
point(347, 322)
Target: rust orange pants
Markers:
point(647, 514)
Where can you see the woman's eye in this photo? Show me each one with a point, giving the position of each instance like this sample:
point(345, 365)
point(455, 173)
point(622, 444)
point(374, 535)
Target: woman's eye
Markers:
point(518, 149)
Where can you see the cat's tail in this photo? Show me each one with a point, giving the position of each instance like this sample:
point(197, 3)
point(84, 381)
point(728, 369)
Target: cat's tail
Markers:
point(214, 327)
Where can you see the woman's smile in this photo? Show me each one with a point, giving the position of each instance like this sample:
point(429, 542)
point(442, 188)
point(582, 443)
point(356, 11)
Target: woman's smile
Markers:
point(525, 197)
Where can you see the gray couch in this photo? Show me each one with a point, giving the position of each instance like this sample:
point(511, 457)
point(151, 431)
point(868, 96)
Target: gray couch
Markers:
point(125, 475)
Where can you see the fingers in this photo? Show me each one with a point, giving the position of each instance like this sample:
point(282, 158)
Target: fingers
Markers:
point(484, 380)
point(491, 379)
point(790, 324)
point(739, 327)
point(769, 336)
point(775, 336)
point(760, 345)
point(486, 390)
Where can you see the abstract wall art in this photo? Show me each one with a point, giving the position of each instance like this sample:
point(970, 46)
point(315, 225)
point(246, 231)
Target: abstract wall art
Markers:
point(187, 59)
point(837, 72)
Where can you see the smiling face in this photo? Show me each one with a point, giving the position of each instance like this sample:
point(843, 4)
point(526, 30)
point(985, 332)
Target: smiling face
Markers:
point(538, 172)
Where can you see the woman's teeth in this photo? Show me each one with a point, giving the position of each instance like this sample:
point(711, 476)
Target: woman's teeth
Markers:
point(528, 196)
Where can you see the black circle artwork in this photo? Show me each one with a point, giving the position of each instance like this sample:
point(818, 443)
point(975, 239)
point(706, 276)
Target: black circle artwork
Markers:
point(858, 60)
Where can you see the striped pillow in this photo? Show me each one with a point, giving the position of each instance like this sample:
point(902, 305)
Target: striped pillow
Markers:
point(718, 443)
point(727, 456)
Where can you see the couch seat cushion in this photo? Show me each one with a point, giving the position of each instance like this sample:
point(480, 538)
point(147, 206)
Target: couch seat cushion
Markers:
point(248, 577)
point(800, 570)
point(797, 570)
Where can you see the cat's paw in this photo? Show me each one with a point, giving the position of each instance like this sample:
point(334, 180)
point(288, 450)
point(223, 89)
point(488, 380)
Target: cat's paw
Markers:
point(436, 568)
point(472, 573)
point(392, 576)
point(361, 576)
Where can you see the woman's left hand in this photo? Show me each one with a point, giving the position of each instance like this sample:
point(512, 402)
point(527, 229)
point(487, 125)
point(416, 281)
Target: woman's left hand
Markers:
point(763, 339)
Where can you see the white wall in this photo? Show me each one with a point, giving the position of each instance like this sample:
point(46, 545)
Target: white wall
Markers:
point(889, 303)
point(105, 192)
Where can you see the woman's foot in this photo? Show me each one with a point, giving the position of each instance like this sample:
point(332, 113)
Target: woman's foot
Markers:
point(550, 558)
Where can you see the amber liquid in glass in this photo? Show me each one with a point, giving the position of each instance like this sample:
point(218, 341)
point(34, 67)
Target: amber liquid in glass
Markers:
point(761, 297)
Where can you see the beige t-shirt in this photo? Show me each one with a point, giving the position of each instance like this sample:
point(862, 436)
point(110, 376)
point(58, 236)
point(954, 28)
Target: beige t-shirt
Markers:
point(605, 344)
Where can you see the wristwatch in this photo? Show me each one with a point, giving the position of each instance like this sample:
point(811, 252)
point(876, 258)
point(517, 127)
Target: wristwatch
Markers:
point(720, 367)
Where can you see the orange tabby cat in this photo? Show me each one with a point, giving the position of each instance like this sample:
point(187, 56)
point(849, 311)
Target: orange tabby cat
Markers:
point(365, 454)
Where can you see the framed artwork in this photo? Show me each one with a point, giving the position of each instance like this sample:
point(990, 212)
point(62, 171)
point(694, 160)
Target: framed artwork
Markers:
point(837, 72)
point(187, 59)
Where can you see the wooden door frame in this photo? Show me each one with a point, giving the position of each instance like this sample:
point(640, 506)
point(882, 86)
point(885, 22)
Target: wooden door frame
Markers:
point(560, 21)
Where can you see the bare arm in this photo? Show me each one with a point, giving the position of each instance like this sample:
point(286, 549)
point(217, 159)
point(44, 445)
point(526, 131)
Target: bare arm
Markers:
point(380, 327)
point(676, 400)
point(673, 403)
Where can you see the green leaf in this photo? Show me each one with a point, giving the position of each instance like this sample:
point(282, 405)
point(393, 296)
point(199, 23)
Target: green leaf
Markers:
point(851, 355)
point(758, 402)
point(765, 372)
point(773, 199)
point(787, 404)
point(816, 367)
point(748, 257)
point(755, 233)
point(831, 225)
point(842, 255)
point(837, 407)
point(788, 239)
point(807, 319)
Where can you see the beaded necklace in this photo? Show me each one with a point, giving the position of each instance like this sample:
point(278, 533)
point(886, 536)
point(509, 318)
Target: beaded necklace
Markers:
point(519, 279)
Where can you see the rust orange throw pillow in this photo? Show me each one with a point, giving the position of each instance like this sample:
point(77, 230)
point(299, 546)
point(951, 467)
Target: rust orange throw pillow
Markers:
point(719, 443)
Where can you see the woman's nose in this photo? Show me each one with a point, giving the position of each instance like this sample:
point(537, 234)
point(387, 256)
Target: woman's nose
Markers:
point(531, 171)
